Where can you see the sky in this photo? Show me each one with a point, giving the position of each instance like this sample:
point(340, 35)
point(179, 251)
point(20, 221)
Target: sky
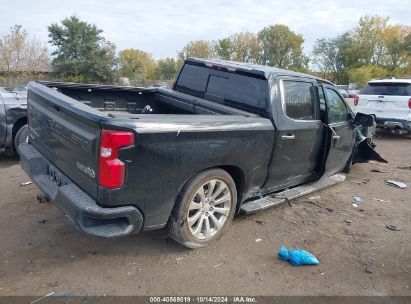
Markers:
point(164, 27)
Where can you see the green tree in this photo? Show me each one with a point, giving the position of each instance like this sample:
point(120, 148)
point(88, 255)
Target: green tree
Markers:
point(334, 56)
point(81, 53)
point(363, 74)
point(407, 44)
point(368, 37)
point(166, 69)
point(245, 47)
point(198, 49)
point(282, 48)
point(223, 49)
point(394, 39)
point(136, 64)
point(242, 47)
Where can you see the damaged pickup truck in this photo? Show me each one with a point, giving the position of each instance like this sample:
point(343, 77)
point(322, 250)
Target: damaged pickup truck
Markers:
point(229, 137)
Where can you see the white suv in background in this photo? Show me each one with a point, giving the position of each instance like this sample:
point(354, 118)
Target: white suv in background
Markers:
point(389, 100)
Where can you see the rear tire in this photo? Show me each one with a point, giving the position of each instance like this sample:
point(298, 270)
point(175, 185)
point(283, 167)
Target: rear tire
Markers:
point(20, 136)
point(204, 209)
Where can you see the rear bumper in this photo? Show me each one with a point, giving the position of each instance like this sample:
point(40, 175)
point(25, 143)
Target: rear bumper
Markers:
point(392, 123)
point(82, 210)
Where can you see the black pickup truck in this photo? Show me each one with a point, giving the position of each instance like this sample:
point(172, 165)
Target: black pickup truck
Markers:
point(229, 137)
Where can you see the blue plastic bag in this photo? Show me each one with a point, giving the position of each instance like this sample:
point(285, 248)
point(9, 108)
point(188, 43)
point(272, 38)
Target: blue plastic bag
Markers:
point(297, 257)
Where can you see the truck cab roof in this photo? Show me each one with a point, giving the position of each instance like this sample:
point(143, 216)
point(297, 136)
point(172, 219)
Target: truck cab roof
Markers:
point(257, 70)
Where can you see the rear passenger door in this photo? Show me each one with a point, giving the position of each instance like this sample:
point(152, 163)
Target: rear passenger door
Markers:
point(296, 115)
point(339, 118)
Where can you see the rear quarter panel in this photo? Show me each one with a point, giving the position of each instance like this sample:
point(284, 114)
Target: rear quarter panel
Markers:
point(170, 149)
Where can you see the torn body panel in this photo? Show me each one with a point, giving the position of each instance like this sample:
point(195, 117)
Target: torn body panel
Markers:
point(364, 147)
point(365, 152)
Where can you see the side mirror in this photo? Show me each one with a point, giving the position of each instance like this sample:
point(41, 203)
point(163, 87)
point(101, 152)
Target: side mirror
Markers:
point(364, 120)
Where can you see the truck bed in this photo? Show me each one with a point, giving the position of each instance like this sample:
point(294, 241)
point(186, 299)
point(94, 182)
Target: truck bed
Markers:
point(130, 102)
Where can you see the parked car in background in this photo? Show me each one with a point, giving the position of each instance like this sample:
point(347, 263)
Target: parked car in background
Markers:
point(353, 93)
point(344, 93)
point(389, 100)
point(13, 118)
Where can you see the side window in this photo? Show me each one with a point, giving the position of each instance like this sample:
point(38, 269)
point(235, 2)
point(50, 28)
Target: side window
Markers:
point(337, 110)
point(298, 100)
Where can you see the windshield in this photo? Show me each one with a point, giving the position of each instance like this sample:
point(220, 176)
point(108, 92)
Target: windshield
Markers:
point(382, 88)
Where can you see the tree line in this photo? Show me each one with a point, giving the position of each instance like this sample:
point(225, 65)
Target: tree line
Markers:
point(80, 53)
point(373, 49)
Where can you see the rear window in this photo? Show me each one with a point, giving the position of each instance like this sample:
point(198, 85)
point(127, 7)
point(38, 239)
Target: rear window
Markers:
point(192, 80)
point(239, 91)
point(381, 88)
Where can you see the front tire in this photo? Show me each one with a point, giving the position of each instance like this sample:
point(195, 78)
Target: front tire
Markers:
point(204, 209)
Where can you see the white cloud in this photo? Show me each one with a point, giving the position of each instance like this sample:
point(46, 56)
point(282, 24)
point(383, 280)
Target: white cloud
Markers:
point(164, 27)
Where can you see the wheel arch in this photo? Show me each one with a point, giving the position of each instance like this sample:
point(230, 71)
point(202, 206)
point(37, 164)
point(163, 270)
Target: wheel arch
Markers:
point(12, 129)
point(16, 127)
point(236, 173)
point(18, 124)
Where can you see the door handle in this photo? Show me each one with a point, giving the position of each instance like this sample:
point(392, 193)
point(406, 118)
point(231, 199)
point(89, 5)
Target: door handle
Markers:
point(288, 137)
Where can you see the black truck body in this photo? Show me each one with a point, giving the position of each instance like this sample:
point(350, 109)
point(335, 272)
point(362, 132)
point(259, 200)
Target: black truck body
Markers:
point(250, 121)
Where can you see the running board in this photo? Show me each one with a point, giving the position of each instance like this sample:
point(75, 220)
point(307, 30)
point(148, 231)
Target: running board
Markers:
point(290, 194)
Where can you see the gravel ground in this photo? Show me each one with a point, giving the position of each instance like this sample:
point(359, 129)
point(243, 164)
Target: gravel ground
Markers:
point(41, 252)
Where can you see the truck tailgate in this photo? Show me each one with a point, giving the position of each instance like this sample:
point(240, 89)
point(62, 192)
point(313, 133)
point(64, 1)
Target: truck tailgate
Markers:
point(66, 132)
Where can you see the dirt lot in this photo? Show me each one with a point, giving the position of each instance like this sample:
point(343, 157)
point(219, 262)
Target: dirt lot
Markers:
point(41, 252)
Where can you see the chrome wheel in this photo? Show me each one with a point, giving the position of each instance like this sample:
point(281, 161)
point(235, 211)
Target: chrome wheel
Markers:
point(209, 209)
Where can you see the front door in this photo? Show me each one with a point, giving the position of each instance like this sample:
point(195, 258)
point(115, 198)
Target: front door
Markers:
point(339, 116)
point(295, 108)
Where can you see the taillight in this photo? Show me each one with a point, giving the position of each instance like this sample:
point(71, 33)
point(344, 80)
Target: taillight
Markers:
point(111, 169)
point(356, 99)
point(409, 103)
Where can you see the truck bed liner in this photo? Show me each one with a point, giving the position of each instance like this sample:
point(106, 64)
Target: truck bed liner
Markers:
point(126, 102)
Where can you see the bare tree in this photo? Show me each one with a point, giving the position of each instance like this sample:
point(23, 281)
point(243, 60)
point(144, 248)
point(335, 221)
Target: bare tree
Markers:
point(21, 56)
